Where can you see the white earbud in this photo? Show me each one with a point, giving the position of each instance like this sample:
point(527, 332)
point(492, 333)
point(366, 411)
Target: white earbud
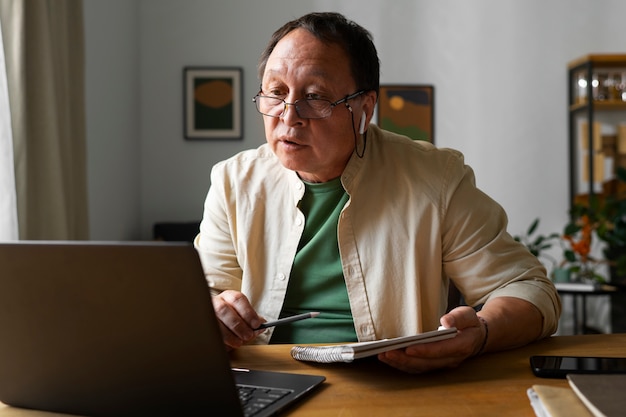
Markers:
point(362, 125)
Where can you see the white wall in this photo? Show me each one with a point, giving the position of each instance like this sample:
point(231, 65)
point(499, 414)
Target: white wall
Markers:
point(499, 69)
point(113, 124)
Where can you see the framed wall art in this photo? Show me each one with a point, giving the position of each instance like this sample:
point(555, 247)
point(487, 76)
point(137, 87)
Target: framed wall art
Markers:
point(408, 110)
point(213, 103)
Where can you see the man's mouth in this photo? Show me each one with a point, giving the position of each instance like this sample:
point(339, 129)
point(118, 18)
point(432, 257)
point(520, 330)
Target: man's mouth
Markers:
point(290, 142)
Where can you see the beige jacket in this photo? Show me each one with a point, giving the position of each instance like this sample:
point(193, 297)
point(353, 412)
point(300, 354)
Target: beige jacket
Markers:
point(414, 220)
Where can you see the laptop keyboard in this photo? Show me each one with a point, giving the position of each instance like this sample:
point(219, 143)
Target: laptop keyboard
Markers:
point(255, 399)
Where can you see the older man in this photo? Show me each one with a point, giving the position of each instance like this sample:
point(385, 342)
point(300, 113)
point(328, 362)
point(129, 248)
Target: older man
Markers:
point(367, 227)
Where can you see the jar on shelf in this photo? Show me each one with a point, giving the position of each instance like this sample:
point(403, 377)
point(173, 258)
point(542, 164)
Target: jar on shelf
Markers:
point(600, 86)
point(580, 90)
point(614, 86)
point(621, 86)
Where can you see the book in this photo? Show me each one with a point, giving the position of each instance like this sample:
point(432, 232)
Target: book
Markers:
point(549, 401)
point(351, 351)
point(602, 394)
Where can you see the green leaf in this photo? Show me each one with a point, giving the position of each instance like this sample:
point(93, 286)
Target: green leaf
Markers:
point(571, 229)
point(533, 226)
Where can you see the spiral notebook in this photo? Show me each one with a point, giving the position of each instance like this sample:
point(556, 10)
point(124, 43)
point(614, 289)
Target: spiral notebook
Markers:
point(352, 351)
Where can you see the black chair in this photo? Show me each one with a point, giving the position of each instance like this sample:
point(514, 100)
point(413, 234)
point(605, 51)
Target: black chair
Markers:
point(176, 231)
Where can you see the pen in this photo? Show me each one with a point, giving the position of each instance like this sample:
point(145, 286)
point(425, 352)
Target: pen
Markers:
point(289, 319)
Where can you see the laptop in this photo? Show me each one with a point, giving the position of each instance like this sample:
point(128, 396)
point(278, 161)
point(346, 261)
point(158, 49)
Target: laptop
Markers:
point(120, 329)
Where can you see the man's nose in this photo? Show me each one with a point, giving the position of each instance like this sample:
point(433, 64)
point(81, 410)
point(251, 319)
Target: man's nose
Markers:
point(293, 114)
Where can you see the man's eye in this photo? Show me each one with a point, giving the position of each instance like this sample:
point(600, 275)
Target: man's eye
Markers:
point(273, 92)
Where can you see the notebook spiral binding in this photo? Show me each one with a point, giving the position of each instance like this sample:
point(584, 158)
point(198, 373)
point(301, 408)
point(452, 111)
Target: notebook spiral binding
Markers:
point(328, 354)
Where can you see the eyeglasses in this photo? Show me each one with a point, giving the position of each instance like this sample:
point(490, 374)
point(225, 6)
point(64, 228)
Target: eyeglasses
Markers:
point(307, 108)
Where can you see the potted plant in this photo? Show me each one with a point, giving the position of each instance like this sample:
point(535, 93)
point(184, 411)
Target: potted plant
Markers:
point(612, 227)
point(538, 243)
point(578, 237)
point(606, 217)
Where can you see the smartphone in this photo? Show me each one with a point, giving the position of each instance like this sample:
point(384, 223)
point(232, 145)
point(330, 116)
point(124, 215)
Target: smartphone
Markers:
point(559, 366)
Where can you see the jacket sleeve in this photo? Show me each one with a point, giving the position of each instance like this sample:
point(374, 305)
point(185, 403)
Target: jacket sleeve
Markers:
point(216, 241)
point(482, 258)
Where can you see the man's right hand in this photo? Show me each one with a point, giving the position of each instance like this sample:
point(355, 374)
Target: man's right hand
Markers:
point(237, 318)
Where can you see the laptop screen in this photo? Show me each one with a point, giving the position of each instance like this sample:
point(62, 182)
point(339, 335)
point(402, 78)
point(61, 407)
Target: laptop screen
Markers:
point(110, 329)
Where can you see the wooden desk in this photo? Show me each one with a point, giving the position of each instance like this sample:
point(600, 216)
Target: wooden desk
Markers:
point(491, 385)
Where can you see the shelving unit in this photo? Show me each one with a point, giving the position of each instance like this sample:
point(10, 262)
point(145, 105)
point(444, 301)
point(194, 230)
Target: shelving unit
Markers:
point(597, 124)
point(597, 138)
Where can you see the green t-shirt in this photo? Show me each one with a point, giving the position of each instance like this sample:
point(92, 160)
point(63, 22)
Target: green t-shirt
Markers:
point(317, 282)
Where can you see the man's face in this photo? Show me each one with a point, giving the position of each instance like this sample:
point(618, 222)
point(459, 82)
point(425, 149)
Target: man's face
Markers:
point(301, 66)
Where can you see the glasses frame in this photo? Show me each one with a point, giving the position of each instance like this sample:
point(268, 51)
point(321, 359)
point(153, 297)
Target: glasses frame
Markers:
point(332, 104)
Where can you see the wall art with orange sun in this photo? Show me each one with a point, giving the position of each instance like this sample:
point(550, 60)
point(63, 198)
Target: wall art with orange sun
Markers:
point(408, 110)
point(213, 98)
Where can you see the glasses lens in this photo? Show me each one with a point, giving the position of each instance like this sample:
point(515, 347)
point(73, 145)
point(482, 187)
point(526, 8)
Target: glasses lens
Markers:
point(270, 106)
point(313, 108)
point(306, 108)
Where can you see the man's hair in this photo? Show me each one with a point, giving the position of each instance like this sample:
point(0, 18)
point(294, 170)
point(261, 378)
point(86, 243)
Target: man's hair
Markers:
point(334, 28)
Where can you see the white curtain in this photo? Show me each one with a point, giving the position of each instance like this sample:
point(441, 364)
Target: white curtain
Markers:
point(8, 207)
point(44, 51)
